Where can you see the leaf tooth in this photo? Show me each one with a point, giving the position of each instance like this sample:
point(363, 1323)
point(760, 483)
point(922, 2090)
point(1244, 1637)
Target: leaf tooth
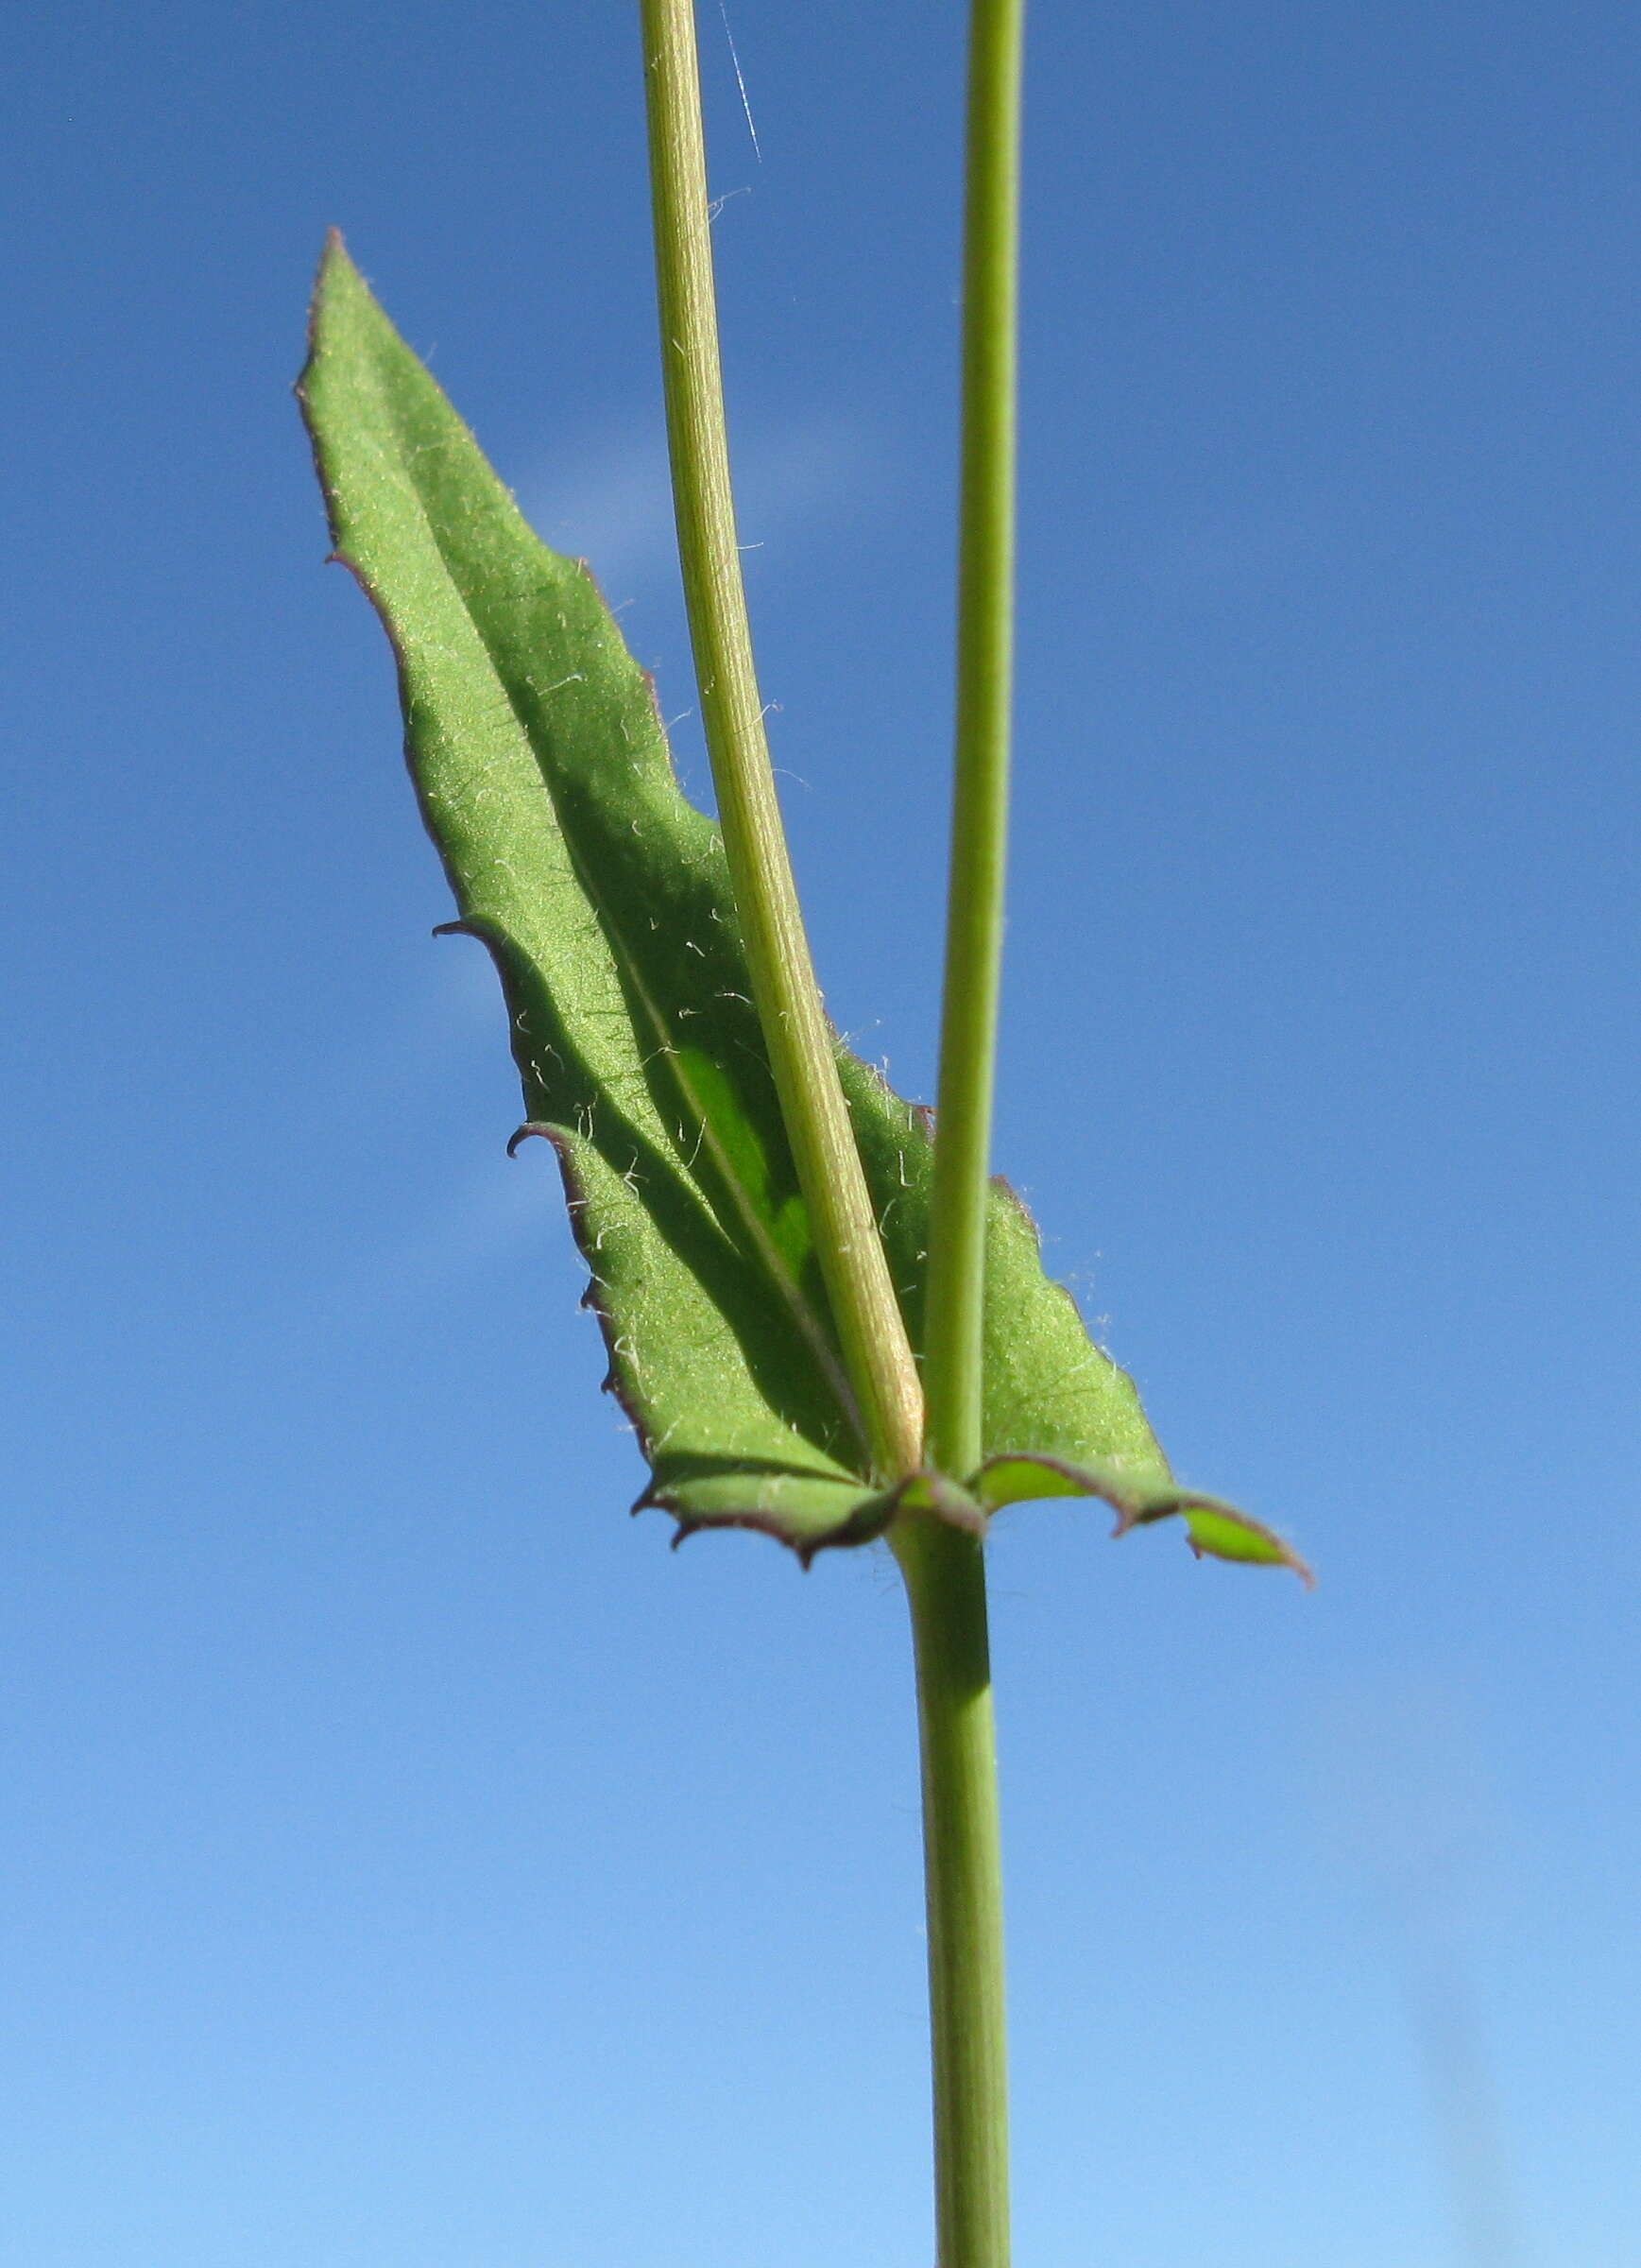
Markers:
point(522, 1134)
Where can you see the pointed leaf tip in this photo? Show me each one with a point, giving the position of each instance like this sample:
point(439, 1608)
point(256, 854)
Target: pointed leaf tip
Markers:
point(1217, 1531)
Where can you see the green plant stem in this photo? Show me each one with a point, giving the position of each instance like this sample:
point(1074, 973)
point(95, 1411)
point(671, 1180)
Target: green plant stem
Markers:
point(945, 1576)
point(877, 1353)
point(952, 1362)
point(944, 1569)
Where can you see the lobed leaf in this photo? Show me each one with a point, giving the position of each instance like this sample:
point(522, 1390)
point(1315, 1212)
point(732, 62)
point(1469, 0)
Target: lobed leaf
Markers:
point(603, 896)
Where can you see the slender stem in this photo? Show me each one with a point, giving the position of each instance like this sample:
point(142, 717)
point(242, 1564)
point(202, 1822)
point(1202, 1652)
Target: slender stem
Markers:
point(953, 1365)
point(945, 1575)
point(877, 1353)
point(944, 1569)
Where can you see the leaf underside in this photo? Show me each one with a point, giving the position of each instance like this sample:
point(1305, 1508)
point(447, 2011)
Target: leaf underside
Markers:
point(603, 896)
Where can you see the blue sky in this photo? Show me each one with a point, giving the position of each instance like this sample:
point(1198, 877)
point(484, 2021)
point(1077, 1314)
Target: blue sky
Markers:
point(406, 1859)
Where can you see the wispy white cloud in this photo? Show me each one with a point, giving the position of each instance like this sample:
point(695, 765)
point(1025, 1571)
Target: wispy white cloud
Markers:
point(800, 475)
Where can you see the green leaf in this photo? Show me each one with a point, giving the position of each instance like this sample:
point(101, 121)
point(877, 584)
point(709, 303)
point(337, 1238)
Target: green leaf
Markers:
point(1214, 1529)
point(544, 779)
